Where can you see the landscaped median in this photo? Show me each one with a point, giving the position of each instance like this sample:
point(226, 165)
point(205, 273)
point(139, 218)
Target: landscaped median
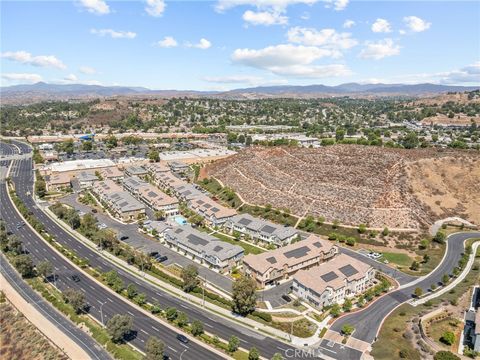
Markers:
point(98, 332)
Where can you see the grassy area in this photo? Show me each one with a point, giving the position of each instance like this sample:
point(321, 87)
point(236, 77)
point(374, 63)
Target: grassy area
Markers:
point(301, 328)
point(249, 249)
point(393, 336)
point(275, 215)
point(400, 259)
point(21, 340)
point(438, 328)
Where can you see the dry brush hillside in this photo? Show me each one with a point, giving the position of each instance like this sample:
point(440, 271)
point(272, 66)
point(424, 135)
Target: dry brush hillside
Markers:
point(358, 184)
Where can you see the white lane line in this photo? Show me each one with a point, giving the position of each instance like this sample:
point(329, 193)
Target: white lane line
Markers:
point(130, 313)
point(143, 331)
point(210, 326)
point(154, 328)
point(172, 349)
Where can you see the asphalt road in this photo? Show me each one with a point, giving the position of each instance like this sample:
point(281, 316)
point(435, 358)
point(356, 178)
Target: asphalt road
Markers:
point(22, 176)
point(97, 296)
point(368, 321)
point(92, 348)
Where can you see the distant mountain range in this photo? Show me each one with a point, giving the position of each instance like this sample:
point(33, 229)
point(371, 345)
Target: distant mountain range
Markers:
point(42, 91)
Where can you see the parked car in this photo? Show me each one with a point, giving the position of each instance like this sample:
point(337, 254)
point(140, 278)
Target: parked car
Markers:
point(286, 298)
point(123, 237)
point(182, 338)
point(161, 258)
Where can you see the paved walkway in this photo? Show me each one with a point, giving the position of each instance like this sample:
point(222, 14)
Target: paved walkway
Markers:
point(58, 329)
point(438, 224)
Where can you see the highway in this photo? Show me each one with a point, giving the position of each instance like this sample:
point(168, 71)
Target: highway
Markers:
point(97, 296)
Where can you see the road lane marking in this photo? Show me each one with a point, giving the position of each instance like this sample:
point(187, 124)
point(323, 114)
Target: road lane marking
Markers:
point(154, 328)
point(172, 349)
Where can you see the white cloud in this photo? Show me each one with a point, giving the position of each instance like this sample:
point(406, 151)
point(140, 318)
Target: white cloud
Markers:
point(381, 26)
point(98, 7)
point(202, 44)
point(416, 24)
point(266, 18)
point(290, 60)
point(467, 74)
point(70, 78)
point(337, 4)
point(326, 38)
point(277, 5)
point(155, 7)
point(114, 34)
point(87, 70)
point(380, 49)
point(348, 24)
point(167, 42)
point(22, 78)
point(25, 57)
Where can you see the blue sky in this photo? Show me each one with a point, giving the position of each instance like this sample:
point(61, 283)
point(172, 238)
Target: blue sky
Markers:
point(224, 44)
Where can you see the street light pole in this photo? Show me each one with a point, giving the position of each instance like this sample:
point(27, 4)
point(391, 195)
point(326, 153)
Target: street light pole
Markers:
point(101, 312)
point(203, 289)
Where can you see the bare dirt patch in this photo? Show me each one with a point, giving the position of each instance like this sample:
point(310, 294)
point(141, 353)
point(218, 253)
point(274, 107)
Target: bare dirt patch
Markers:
point(357, 184)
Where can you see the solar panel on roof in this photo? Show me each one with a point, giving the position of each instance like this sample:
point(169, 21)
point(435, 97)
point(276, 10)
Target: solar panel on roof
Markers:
point(215, 209)
point(348, 270)
point(317, 244)
point(217, 248)
point(123, 203)
point(271, 260)
point(196, 240)
point(268, 229)
point(244, 221)
point(329, 276)
point(297, 253)
point(152, 194)
point(207, 206)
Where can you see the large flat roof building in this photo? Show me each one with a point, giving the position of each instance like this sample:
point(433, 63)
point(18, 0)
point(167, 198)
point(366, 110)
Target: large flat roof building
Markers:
point(282, 263)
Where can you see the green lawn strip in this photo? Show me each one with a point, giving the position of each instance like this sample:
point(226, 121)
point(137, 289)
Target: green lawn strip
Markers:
point(397, 258)
point(391, 339)
point(249, 249)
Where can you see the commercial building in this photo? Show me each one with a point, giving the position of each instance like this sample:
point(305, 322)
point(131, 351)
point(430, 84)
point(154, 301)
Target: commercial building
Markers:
point(282, 263)
point(261, 230)
point(121, 203)
point(57, 182)
point(333, 281)
point(151, 196)
point(204, 248)
point(78, 165)
point(214, 213)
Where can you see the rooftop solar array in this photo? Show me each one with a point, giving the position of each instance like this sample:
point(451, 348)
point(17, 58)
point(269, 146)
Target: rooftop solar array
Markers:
point(244, 221)
point(268, 229)
point(329, 276)
point(196, 240)
point(317, 244)
point(297, 253)
point(217, 248)
point(348, 270)
point(271, 260)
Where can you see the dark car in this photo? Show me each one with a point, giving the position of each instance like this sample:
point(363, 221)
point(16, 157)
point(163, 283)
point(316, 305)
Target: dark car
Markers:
point(75, 278)
point(161, 258)
point(154, 253)
point(123, 237)
point(182, 338)
point(286, 298)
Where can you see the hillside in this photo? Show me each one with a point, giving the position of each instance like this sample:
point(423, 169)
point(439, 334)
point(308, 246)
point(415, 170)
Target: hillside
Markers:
point(358, 184)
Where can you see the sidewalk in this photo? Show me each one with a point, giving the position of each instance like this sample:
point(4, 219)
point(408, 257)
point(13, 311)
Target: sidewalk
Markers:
point(47, 328)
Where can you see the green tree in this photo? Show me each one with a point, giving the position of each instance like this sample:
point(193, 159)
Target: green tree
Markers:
point(87, 145)
point(190, 277)
point(339, 134)
point(448, 338)
point(233, 344)
point(410, 141)
point(248, 140)
point(347, 329)
point(197, 328)
point(244, 295)
point(362, 228)
point(277, 356)
point(440, 237)
point(347, 305)
point(253, 354)
point(15, 245)
point(111, 142)
point(241, 138)
point(114, 281)
point(335, 310)
point(171, 313)
point(24, 265)
point(418, 292)
point(445, 279)
point(119, 326)
point(423, 244)
point(40, 188)
point(445, 355)
point(155, 349)
point(415, 266)
point(76, 299)
point(153, 155)
point(182, 319)
point(385, 231)
point(131, 291)
point(44, 268)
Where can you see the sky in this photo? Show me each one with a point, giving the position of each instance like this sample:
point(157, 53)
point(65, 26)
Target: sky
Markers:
point(226, 44)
